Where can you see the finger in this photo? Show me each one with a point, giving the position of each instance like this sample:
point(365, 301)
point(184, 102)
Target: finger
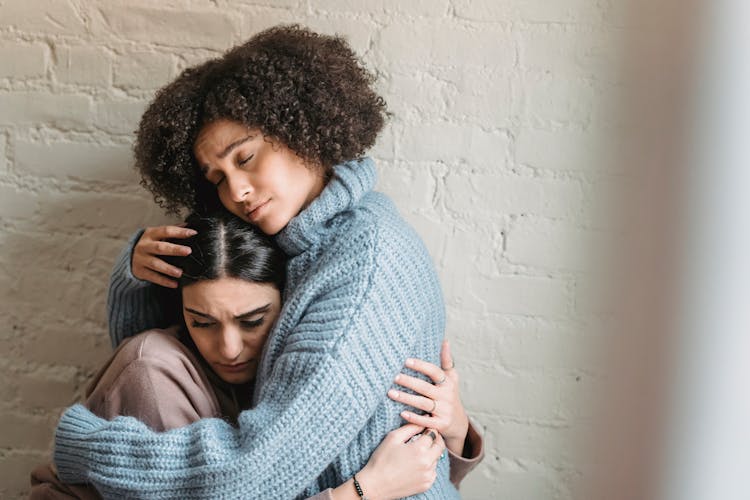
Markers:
point(158, 265)
point(167, 248)
point(158, 279)
point(417, 385)
point(425, 439)
point(418, 402)
point(434, 372)
point(430, 434)
point(423, 420)
point(439, 441)
point(406, 432)
point(446, 357)
point(164, 232)
point(438, 446)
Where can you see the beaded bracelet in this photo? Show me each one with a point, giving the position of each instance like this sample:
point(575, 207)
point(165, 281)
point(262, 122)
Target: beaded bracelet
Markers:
point(359, 489)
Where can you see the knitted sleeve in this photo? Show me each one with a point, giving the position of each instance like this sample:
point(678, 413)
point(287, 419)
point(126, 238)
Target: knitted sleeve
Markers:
point(332, 374)
point(134, 305)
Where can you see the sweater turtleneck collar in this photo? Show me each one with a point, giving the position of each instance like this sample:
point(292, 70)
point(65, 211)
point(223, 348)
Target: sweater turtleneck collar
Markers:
point(349, 182)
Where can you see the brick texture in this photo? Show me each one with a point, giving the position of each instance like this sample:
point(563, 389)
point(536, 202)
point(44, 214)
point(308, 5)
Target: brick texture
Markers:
point(492, 153)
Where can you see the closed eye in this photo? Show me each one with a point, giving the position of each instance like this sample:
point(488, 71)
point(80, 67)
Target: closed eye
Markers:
point(242, 162)
point(252, 323)
point(213, 179)
point(199, 324)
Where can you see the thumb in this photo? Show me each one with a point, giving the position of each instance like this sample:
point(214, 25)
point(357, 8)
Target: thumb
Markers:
point(406, 432)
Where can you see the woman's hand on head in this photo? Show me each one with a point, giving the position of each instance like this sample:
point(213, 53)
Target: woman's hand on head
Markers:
point(146, 262)
point(404, 464)
point(439, 399)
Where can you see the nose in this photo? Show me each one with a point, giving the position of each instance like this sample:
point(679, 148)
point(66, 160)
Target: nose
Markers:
point(231, 345)
point(238, 187)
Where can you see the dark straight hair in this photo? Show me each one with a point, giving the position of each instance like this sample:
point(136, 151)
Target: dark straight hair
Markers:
point(225, 246)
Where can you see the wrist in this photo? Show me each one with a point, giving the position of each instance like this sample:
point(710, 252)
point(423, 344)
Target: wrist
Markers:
point(369, 483)
point(455, 442)
point(345, 492)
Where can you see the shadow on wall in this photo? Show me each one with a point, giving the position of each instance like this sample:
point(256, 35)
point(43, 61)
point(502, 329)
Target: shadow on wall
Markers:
point(59, 242)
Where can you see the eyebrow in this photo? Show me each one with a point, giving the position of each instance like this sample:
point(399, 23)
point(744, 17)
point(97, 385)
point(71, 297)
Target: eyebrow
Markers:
point(255, 311)
point(236, 143)
point(228, 149)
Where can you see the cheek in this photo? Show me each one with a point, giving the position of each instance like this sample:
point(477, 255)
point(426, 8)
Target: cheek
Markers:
point(255, 344)
point(234, 208)
point(203, 343)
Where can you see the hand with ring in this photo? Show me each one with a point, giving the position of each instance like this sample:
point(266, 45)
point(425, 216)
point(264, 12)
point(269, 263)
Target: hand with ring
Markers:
point(439, 399)
point(404, 464)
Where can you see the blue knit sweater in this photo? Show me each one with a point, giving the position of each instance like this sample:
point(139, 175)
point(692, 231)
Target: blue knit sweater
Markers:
point(362, 295)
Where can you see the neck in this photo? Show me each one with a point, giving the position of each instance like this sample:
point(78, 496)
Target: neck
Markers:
point(322, 176)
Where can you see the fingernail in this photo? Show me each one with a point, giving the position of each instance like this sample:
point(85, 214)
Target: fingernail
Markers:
point(191, 232)
point(393, 393)
point(398, 377)
point(409, 362)
point(405, 415)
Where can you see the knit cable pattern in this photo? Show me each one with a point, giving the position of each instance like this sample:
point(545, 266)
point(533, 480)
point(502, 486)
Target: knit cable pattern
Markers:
point(362, 295)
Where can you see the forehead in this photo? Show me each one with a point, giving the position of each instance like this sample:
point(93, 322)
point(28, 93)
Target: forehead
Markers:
point(214, 137)
point(232, 294)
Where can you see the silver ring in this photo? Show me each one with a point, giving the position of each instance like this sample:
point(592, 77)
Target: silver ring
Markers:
point(432, 435)
point(441, 382)
point(434, 405)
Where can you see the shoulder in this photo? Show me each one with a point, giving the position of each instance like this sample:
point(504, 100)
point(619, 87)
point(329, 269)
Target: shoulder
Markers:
point(151, 344)
point(374, 237)
point(148, 355)
point(153, 350)
point(368, 246)
point(131, 368)
point(376, 223)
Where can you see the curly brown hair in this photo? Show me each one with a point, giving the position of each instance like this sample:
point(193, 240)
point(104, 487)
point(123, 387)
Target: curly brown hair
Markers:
point(306, 90)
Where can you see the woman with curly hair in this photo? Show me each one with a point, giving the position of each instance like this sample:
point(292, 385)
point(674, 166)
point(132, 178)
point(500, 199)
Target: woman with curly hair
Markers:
point(274, 131)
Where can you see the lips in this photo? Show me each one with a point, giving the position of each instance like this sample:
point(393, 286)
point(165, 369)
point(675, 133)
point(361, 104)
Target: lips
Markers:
point(256, 209)
point(235, 367)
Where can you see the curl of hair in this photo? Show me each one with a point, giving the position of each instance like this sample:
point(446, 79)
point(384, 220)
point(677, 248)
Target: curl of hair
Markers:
point(305, 90)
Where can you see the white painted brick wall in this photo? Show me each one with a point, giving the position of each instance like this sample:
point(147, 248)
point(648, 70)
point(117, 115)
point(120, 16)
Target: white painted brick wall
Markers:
point(142, 70)
point(492, 153)
point(22, 60)
point(60, 110)
point(83, 65)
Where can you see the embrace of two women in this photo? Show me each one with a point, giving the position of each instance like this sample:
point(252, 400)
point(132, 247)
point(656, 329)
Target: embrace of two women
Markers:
point(287, 340)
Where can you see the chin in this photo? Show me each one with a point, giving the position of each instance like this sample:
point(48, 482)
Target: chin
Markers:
point(239, 378)
point(271, 231)
point(270, 228)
